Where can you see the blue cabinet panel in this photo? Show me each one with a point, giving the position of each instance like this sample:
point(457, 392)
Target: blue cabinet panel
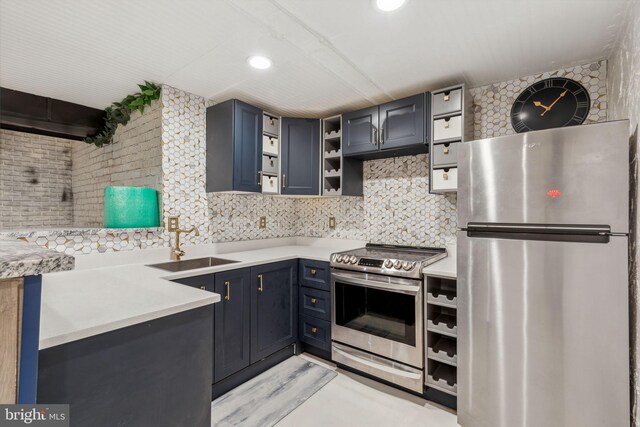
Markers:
point(402, 123)
point(360, 131)
point(300, 149)
point(232, 324)
point(274, 308)
point(247, 147)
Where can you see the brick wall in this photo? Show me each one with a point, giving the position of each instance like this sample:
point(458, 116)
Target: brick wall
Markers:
point(134, 159)
point(35, 181)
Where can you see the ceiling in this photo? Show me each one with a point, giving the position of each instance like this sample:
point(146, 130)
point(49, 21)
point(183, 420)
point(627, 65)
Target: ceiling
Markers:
point(328, 56)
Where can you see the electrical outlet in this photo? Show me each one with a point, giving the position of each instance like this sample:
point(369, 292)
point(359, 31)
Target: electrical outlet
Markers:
point(263, 222)
point(332, 222)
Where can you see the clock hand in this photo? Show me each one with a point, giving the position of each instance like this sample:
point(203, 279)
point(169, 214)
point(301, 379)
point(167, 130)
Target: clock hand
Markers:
point(554, 102)
point(540, 104)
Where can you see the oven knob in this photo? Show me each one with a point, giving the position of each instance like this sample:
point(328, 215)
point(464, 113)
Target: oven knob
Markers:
point(388, 263)
point(333, 257)
point(339, 258)
point(408, 265)
point(353, 259)
point(397, 265)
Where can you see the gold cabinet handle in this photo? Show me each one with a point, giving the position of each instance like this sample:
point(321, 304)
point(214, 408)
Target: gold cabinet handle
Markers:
point(271, 141)
point(271, 162)
point(373, 135)
point(260, 178)
point(227, 284)
point(382, 135)
point(203, 287)
point(445, 176)
point(446, 123)
point(260, 288)
point(445, 150)
point(314, 329)
point(313, 271)
point(313, 301)
point(446, 96)
point(284, 181)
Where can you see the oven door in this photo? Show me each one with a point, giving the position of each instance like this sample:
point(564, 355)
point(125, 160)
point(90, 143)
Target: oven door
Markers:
point(378, 314)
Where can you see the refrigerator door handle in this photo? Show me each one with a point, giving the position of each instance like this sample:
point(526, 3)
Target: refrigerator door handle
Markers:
point(542, 232)
point(540, 228)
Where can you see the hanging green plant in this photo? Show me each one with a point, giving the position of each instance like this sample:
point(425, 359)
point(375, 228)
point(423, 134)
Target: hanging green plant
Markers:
point(119, 113)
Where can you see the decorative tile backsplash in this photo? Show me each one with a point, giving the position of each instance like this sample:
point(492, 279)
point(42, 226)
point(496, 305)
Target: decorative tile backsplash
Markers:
point(492, 103)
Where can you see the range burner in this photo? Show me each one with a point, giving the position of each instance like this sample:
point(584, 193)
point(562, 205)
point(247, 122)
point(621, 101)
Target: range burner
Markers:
point(402, 261)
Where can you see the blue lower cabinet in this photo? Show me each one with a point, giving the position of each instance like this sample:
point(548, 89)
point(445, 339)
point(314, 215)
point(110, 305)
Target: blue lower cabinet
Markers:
point(315, 303)
point(274, 308)
point(315, 274)
point(315, 332)
point(232, 325)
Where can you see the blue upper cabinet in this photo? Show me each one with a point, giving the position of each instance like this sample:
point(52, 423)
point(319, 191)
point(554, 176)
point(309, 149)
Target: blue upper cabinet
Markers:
point(394, 128)
point(234, 147)
point(360, 132)
point(300, 150)
point(402, 123)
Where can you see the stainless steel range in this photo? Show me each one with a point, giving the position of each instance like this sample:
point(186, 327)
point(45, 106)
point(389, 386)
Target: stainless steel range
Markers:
point(377, 320)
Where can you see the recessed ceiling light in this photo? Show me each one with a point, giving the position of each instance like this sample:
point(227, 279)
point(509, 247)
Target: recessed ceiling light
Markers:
point(259, 62)
point(389, 5)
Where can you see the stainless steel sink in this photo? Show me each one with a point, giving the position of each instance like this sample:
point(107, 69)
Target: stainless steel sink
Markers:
point(191, 264)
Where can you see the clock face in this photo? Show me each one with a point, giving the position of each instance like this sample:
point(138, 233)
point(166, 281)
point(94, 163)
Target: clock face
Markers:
point(550, 103)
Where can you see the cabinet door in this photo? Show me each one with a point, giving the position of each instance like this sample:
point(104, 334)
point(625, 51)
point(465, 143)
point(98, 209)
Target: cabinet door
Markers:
point(274, 308)
point(360, 132)
point(247, 147)
point(300, 156)
point(402, 122)
point(232, 324)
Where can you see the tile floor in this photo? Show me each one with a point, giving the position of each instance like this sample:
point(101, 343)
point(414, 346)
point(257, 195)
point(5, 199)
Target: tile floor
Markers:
point(350, 400)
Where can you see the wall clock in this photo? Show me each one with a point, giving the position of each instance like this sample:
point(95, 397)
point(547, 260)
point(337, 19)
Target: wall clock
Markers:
point(550, 103)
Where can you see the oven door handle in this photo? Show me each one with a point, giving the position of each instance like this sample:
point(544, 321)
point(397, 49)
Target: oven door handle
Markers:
point(389, 369)
point(400, 288)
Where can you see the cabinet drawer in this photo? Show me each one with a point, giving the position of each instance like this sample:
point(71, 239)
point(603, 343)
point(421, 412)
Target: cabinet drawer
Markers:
point(447, 102)
point(449, 128)
point(315, 274)
point(269, 164)
point(269, 145)
point(315, 332)
point(269, 184)
point(315, 303)
point(445, 154)
point(271, 125)
point(444, 179)
point(204, 282)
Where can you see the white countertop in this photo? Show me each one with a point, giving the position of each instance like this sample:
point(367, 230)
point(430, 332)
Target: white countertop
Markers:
point(86, 302)
point(446, 267)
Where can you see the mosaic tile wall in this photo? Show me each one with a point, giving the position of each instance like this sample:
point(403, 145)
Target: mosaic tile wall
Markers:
point(396, 208)
point(624, 94)
point(492, 103)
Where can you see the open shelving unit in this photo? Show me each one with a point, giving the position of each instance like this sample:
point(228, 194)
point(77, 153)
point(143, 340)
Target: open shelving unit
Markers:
point(441, 340)
point(270, 176)
point(340, 176)
point(332, 156)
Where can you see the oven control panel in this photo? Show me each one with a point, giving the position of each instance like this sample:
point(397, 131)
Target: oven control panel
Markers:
point(368, 262)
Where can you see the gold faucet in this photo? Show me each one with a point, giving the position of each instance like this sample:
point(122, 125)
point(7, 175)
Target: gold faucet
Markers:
point(173, 225)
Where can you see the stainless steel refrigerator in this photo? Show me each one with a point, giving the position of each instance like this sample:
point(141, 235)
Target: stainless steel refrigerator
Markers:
point(543, 318)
